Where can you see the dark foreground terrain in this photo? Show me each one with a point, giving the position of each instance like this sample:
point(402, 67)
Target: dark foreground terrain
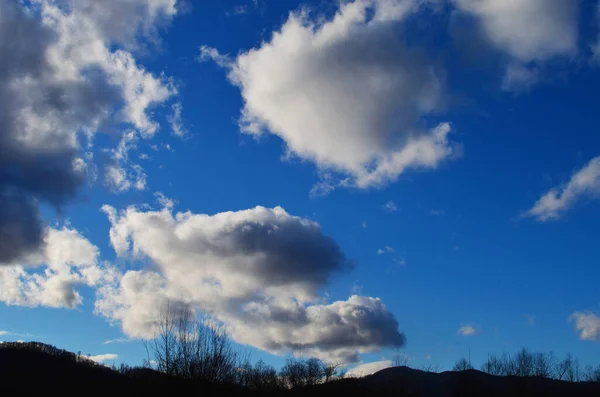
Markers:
point(45, 369)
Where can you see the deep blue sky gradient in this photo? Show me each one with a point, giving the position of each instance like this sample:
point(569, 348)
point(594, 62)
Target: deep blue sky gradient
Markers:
point(476, 263)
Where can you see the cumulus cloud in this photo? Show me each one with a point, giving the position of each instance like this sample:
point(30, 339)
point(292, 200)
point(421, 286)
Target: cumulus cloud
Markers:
point(50, 278)
point(467, 330)
point(585, 183)
point(259, 271)
point(64, 74)
point(345, 93)
point(101, 358)
point(588, 325)
point(528, 32)
point(368, 369)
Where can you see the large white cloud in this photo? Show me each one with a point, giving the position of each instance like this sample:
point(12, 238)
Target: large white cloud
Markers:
point(50, 278)
point(66, 73)
point(588, 325)
point(346, 93)
point(259, 271)
point(527, 31)
point(585, 183)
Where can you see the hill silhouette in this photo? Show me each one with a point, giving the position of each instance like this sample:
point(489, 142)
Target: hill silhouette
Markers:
point(27, 368)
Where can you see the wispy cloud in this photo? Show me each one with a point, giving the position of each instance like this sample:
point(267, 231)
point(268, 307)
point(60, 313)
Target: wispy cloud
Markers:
point(530, 319)
point(117, 340)
point(175, 119)
point(357, 288)
point(100, 358)
point(585, 183)
point(390, 206)
point(385, 250)
point(17, 334)
point(437, 212)
point(467, 330)
point(400, 261)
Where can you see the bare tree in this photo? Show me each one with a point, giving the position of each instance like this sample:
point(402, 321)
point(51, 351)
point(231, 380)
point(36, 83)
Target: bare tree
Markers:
point(543, 364)
point(591, 374)
point(568, 369)
point(164, 344)
point(462, 365)
point(330, 370)
point(314, 371)
point(430, 368)
point(523, 363)
point(193, 349)
point(294, 373)
point(261, 376)
point(399, 359)
point(493, 366)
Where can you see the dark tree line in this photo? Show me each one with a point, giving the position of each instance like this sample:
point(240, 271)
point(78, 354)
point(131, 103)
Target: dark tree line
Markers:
point(38, 347)
point(530, 364)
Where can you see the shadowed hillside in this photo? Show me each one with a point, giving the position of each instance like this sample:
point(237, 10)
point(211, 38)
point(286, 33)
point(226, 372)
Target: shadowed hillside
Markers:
point(36, 367)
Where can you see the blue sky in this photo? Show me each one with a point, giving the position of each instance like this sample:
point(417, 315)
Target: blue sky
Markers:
point(489, 227)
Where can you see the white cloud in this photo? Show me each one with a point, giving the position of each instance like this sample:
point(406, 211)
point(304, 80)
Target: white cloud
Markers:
point(67, 74)
point(51, 278)
point(437, 212)
point(259, 271)
point(2, 333)
point(123, 175)
point(390, 206)
point(596, 46)
point(519, 78)
point(345, 93)
point(386, 250)
point(588, 325)
point(467, 330)
point(101, 358)
point(176, 121)
point(117, 340)
point(368, 369)
point(527, 31)
point(400, 262)
point(585, 183)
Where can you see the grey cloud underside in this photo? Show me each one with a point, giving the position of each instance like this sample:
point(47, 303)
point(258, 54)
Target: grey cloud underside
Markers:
point(119, 20)
point(59, 82)
point(290, 253)
point(368, 328)
point(259, 271)
point(44, 172)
